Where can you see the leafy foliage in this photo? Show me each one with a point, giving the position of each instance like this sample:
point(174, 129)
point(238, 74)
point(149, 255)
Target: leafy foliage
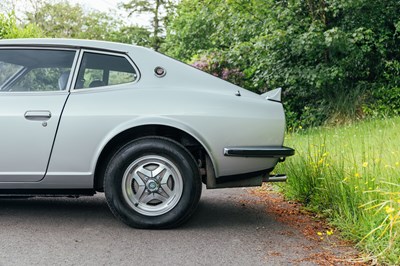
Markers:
point(58, 20)
point(328, 56)
point(64, 20)
point(159, 11)
point(218, 68)
point(9, 28)
point(131, 34)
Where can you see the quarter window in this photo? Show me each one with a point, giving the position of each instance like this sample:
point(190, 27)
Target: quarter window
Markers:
point(98, 70)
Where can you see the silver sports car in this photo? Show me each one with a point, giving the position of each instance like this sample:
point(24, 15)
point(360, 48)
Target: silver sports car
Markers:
point(79, 117)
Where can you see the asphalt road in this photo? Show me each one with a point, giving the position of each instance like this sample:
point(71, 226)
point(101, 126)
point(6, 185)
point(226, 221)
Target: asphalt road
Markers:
point(230, 227)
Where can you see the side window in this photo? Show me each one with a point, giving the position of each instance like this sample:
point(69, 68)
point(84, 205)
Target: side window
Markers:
point(24, 70)
point(98, 70)
point(7, 70)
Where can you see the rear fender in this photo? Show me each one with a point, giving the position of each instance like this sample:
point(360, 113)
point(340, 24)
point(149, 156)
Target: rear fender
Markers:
point(149, 121)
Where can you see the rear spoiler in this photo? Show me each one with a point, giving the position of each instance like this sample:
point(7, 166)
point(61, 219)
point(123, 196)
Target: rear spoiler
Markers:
point(274, 95)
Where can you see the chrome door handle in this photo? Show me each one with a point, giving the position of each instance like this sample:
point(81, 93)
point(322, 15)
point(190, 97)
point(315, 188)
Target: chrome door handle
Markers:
point(37, 115)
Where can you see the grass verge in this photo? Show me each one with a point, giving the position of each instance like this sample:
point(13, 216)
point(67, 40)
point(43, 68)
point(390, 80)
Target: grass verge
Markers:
point(351, 174)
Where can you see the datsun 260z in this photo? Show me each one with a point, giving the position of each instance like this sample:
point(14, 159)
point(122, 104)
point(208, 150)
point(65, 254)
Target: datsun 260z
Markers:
point(79, 117)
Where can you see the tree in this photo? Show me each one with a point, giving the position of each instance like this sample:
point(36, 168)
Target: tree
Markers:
point(7, 6)
point(131, 34)
point(63, 20)
point(98, 26)
point(58, 20)
point(327, 55)
point(203, 25)
point(159, 10)
point(9, 29)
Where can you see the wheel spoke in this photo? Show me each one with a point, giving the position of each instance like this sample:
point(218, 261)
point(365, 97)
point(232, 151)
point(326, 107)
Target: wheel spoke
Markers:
point(144, 172)
point(165, 177)
point(159, 170)
point(140, 193)
point(167, 190)
point(152, 196)
point(164, 183)
point(138, 179)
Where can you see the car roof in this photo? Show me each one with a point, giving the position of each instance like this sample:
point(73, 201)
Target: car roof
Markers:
point(72, 43)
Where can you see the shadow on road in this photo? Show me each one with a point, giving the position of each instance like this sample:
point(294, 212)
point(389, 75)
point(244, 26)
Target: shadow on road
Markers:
point(214, 211)
point(230, 227)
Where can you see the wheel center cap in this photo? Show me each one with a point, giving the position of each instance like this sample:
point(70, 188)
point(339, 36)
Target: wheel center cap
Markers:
point(152, 185)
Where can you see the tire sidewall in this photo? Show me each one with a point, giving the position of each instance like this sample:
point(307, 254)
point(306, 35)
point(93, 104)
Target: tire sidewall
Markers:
point(173, 152)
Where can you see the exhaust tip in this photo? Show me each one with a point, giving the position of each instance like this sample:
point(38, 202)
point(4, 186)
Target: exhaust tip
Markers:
point(275, 178)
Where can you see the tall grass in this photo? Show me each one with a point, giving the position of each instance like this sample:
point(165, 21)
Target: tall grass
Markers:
point(351, 174)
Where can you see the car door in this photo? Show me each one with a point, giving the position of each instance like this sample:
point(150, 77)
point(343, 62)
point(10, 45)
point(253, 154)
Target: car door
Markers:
point(33, 91)
point(93, 112)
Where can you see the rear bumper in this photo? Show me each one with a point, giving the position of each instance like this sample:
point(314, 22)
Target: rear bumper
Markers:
point(259, 152)
point(250, 178)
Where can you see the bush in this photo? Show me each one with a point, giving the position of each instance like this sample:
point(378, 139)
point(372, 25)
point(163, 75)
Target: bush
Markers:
point(218, 67)
point(9, 29)
point(328, 56)
point(384, 102)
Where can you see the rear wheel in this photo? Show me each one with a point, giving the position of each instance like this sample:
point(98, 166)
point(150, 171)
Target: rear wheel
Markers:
point(152, 183)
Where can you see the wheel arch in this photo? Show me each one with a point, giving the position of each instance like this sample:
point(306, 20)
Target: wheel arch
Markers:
point(195, 146)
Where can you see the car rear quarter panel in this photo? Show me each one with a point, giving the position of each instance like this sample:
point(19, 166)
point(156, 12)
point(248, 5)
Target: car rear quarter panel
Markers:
point(91, 119)
point(210, 106)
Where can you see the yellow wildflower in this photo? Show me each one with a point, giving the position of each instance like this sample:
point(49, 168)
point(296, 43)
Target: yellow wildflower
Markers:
point(389, 209)
point(357, 175)
point(329, 232)
point(365, 164)
point(319, 233)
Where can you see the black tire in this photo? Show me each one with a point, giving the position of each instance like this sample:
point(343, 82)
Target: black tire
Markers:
point(152, 183)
